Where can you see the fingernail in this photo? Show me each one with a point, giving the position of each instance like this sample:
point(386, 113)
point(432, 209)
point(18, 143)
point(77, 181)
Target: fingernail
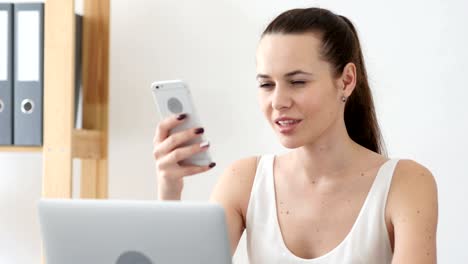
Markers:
point(199, 130)
point(212, 164)
point(181, 116)
point(204, 144)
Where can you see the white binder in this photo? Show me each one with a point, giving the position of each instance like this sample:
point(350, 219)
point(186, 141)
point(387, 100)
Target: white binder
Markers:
point(6, 74)
point(28, 74)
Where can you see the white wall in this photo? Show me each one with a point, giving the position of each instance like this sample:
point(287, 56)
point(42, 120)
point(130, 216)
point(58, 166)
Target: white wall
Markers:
point(416, 59)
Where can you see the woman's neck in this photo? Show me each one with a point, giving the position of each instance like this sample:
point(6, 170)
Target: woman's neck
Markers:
point(328, 157)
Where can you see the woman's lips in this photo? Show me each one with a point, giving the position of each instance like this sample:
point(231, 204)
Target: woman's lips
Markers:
point(288, 128)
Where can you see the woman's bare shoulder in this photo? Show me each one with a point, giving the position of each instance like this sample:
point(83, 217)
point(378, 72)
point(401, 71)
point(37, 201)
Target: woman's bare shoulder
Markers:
point(235, 183)
point(412, 184)
point(411, 172)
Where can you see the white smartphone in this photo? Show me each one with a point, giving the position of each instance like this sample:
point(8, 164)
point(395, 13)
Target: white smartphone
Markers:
point(173, 97)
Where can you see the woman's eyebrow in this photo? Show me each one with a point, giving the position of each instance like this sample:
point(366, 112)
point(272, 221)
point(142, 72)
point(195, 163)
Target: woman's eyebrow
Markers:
point(262, 76)
point(289, 74)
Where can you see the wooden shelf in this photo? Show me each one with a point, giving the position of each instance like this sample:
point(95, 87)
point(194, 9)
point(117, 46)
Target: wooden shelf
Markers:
point(61, 142)
point(20, 149)
point(87, 144)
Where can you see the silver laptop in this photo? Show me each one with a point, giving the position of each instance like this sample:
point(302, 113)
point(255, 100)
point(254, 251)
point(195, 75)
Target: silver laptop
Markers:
point(133, 232)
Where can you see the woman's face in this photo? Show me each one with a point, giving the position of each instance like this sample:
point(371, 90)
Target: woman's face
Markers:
point(294, 83)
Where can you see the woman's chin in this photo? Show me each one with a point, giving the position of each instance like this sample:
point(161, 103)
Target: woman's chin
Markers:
point(290, 143)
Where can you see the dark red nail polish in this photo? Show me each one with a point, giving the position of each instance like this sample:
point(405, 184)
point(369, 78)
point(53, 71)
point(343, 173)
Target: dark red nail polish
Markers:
point(212, 164)
point(181, 116)
point(199, 130)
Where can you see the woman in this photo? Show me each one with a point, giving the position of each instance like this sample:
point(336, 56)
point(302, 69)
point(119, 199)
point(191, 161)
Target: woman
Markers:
point(335, 197)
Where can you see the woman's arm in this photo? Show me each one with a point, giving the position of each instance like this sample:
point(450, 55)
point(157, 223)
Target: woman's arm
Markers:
point(232, 191)
point(413, 208)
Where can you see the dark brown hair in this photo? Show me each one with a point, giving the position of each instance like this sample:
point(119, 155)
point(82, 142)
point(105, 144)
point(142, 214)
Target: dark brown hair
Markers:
point(340, 45)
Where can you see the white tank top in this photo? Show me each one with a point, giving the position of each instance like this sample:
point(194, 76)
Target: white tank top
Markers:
point(366, 243)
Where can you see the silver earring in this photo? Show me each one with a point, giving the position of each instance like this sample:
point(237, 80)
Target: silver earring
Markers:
point(343, 98)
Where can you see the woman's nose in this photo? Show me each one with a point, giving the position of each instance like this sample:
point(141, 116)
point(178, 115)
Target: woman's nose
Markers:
point(281, 98)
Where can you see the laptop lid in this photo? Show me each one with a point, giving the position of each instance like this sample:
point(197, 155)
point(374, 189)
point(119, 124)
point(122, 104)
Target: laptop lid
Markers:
point(137, 232)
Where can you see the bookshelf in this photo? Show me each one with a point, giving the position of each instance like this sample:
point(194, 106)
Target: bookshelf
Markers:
point(61, 141)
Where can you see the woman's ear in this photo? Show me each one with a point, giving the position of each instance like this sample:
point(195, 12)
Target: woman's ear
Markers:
point(347, 81)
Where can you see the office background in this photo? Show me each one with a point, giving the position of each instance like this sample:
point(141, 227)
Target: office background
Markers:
point(417, 62)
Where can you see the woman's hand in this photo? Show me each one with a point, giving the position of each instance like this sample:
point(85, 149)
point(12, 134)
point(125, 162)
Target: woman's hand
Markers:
point(168, 153)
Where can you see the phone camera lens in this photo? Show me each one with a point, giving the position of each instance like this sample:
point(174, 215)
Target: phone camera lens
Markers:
point(157, 87)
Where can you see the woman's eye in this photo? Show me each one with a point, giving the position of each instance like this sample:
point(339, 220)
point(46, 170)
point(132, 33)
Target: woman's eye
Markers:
point(298, 82)
point(266, 85)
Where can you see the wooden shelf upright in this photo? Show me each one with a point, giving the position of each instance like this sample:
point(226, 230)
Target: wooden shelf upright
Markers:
point(62, 142)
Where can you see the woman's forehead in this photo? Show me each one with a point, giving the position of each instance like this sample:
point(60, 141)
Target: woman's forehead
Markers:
point(278, 53)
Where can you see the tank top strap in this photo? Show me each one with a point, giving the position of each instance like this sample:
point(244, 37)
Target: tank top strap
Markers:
point(382, 181)
point(262, 172)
